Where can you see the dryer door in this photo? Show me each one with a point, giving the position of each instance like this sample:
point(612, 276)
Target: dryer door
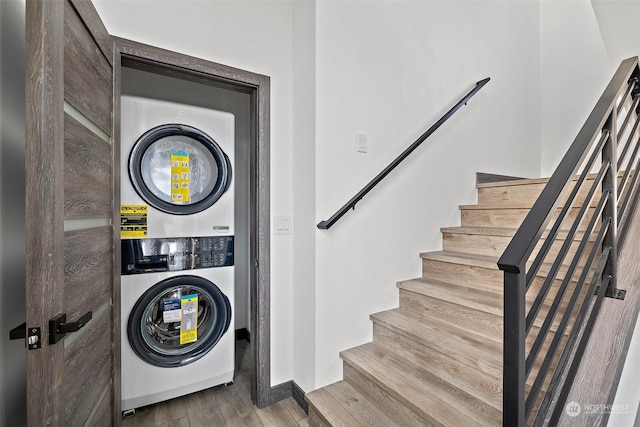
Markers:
point(156, 332)
point(179, 169)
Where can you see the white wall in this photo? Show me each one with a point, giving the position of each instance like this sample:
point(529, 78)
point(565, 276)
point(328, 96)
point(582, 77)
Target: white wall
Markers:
point(304, 194)
point(12, 221)
point(575, 69)
point(390, 69)
point(618, 24)
point(255, 36)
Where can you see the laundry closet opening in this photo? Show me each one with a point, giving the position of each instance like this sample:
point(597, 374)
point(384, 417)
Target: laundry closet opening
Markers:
point(195, 227)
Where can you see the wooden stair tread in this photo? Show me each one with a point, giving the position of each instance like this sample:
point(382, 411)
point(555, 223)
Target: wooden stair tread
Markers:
point(485, 261)
point(505, 232)
point(328, 408)
point(508, 207)
point(483, 231)
point(513, 182)
point(433, 399)
point(486, 207)
point(341, 405)
point(529, 181)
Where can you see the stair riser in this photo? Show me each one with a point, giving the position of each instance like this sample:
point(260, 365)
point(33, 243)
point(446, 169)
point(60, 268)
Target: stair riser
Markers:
point(481, 323)
point(486, 388)
point(489, 279)
point(495, 245)
point(515, 195)
point(316, 420)
point(384, 401)
point(511, 218)
point(482, 360)
point(485, 278)
point(522, 195)
point(428, 302)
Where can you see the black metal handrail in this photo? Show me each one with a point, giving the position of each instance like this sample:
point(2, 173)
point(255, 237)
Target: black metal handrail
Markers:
point(579, 269)
point(351, 204)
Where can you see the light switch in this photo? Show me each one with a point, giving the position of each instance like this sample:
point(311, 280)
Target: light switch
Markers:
point(282, 225)
point(361, 142)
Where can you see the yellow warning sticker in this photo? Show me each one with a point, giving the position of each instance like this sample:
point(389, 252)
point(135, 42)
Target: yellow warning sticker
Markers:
point(189, 319)
point(133, 220)
point(180, 174)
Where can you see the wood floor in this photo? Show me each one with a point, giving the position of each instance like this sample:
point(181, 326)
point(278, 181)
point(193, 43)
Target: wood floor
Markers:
point(221, 406)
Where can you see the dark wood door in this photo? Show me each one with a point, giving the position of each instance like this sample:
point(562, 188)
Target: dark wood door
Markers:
point(72, 255)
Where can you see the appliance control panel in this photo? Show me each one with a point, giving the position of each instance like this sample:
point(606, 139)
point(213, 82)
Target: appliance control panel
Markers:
point(176, 254)
point(216, 251)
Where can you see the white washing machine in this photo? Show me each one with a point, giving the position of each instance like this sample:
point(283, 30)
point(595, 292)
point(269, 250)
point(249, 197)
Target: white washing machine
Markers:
point(177, 285)
point(155, 365)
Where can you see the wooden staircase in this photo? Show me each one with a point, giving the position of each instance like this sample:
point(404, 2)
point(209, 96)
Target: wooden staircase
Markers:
point(437, 359)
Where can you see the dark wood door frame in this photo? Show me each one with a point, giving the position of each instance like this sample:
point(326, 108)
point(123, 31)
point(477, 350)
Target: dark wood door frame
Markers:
point(148, 58)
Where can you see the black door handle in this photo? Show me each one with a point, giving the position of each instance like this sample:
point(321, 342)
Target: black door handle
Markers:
point(59, 327)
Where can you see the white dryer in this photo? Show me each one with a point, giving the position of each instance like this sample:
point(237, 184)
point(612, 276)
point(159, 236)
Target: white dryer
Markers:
point(177, 159)
point(177, 285)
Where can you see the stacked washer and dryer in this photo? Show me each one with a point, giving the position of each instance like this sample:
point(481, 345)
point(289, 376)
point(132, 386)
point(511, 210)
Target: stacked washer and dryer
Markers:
point(177, 285)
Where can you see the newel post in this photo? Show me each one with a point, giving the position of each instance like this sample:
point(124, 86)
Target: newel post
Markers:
point(610, 211)
point(513, 374)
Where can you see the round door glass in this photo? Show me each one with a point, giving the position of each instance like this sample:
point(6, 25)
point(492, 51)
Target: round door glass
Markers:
point(179, 169)
point(164, 331)
point(156, 167)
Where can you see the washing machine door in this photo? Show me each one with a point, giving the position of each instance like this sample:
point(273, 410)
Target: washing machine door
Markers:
point(155, 328)
point(179, 169)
